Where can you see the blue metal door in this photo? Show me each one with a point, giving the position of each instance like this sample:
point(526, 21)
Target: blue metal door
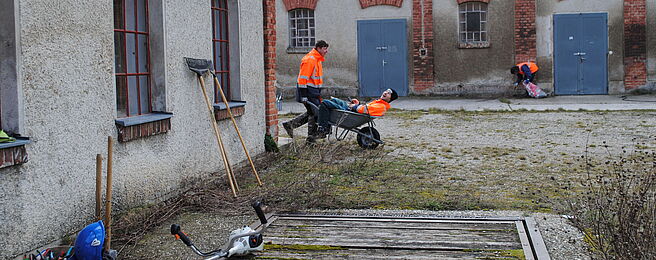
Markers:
point(382, 56)
point(580, 54)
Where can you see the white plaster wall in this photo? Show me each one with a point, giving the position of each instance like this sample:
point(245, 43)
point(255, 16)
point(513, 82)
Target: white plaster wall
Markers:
point(67, 65)
point(336, 23)
point(544, 29)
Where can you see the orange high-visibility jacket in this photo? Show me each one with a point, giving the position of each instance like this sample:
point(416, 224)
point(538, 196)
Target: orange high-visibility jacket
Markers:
point(311, 72)
point(532, 66)
point(377, 107)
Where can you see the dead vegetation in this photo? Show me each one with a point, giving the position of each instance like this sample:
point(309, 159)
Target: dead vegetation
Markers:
point(615, 205)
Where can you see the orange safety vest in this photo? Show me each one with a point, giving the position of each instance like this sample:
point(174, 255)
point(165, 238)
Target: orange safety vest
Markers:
point(532, 66)
point(377, 107)
point(311, 72)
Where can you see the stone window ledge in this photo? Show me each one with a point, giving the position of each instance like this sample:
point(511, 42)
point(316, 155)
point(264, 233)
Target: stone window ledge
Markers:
point(473, 45)
point(236, 107)
point(136, 127)
point(13, 153)
point(299, 50)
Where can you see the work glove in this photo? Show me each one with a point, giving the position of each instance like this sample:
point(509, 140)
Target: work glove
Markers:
point(515, 84)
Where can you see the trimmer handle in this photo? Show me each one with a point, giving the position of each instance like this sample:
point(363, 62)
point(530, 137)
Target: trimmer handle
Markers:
point(258, 210)
point(175, 230)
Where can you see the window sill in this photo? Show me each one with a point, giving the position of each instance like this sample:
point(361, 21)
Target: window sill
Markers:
point(473, 45)
point(13, 153)
point(236, 107)
point(298, 50)
point(136, 127)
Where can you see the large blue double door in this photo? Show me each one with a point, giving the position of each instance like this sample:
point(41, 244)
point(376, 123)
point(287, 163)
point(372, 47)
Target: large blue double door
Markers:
point(382, 56)
point(580, 54)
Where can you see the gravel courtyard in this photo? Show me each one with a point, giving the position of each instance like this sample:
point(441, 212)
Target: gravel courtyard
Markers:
point(508, 163)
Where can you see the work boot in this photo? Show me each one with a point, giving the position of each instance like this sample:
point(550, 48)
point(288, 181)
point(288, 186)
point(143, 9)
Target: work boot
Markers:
point(289, 129)
point(322, 131)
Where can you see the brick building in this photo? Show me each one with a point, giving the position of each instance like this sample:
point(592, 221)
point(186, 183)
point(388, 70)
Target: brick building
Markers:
point(466, 47)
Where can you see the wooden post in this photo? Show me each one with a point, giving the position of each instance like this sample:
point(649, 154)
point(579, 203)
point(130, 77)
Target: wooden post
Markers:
point(108, 202)
point(98, 186)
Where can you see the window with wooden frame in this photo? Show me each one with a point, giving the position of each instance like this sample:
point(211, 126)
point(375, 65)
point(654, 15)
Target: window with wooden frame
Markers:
point(221, 48)
point(472, 29)
point(132, 58)
point(301, 29)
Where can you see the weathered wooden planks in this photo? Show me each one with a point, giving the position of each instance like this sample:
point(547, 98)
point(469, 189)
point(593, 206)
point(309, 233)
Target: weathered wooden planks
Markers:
point(348, 237)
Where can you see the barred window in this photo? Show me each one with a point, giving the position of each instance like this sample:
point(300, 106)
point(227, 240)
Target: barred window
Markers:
point(9, 88)
point(221, 46)
point(132, 57)
point(473, 22)
point(301, 28)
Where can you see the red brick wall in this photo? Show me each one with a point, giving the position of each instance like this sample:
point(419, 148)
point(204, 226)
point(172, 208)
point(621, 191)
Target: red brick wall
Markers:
point(293, 4)
point(525, 37)
point(367, 3)
point(13, 156)
point(222, 114)
point(423, 69)
point(271, 111)
point(127, 133)
point(635, 43)
point(465, 1)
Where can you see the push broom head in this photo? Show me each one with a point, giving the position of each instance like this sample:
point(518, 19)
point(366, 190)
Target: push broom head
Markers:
point(199, 66)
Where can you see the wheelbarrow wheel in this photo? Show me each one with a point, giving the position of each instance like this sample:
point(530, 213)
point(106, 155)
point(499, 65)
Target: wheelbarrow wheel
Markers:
point(366, 142)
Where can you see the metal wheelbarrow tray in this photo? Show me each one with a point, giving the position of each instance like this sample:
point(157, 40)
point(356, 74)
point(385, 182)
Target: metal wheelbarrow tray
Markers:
point(368, 137)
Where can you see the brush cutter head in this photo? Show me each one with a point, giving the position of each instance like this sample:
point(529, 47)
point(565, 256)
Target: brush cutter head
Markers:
point(199, 66)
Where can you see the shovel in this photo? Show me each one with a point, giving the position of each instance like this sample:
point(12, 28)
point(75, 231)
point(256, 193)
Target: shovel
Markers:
point(200, 67)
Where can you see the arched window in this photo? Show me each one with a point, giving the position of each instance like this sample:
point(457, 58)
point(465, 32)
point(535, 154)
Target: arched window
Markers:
point(301, 29)
point(473, 23)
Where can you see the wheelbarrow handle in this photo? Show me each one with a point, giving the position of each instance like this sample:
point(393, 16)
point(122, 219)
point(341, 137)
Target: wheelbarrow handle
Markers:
point(175, 230)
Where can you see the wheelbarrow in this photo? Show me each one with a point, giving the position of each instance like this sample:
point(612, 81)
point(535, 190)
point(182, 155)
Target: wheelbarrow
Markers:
point(361, 124)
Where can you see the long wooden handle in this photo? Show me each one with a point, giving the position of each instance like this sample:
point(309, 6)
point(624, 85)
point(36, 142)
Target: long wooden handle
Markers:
point(98, 186)
point(218, 138)
point(108, 201)
point(243, 145)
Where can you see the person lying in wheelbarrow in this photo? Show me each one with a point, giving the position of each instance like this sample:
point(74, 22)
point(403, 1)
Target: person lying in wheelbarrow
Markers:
point(376, 107)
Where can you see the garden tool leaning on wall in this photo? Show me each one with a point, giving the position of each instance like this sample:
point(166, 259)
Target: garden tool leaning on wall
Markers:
point(200, 66)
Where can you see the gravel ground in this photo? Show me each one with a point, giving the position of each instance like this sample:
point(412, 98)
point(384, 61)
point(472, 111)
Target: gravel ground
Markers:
point(491, 150)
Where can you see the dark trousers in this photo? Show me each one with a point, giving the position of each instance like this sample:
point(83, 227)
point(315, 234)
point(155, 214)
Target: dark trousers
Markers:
point(326, 106)
point(304, 95)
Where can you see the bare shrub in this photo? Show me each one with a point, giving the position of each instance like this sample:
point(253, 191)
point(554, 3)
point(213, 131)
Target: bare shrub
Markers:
point(615, 207)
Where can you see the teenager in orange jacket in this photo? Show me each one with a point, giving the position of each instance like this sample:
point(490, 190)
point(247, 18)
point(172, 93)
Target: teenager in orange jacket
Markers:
point(376, 107)
point(308, 89)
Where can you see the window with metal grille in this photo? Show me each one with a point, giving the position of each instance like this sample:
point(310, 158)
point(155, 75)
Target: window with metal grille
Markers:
point(221, 47)
point(132, 57)
point(473, 22)
point(9, 88)
point(301, 29)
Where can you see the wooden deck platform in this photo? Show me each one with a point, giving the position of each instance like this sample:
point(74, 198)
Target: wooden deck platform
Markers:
point(302, 236)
